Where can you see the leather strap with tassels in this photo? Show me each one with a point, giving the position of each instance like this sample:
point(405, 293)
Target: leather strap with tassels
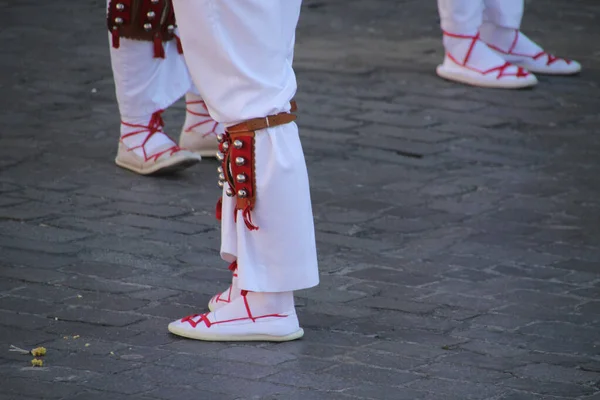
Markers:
point(236, 153)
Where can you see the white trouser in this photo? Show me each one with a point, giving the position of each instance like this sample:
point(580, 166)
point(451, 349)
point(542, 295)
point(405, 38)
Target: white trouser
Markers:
point(145, 84)
point(239, 56)
point(464, 17)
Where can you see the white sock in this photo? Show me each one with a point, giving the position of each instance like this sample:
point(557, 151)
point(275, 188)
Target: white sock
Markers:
point(504, 39)
point(156, 142)
point(197, 118)
point(260, 304)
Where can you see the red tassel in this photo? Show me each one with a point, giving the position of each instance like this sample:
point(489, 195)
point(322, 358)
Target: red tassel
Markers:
point(248, 219)
point(219, 208)
point(233, 266)
point(159, 51)
point(116, 42)
point(179, 46)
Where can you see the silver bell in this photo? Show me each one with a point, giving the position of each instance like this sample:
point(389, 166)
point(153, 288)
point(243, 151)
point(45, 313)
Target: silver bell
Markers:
point(148, 26)
point(241, 178)
point(221, 177)
point(220, 156)
point(229, 192)
point(220, 138)
point(238, 144)
point(154, 1)
point(120, 6)
point(221, 184)
point(118, 20)
point(220, 170)
point(225, 145)
point(171, 28)
point(151, 15)
point(239, 161)
point(242, 194)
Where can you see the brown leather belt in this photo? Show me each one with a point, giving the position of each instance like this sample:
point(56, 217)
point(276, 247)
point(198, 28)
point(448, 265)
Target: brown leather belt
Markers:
point(270, 121)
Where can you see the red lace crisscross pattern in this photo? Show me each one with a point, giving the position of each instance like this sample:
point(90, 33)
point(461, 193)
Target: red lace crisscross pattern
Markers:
point(154, 126)
point(218, 298)
point(550, 58)
point(196, 319)
point(208, 120)
point(501, 69)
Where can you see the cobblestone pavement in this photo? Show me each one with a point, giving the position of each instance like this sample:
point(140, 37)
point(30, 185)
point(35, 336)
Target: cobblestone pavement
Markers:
point(458, 229)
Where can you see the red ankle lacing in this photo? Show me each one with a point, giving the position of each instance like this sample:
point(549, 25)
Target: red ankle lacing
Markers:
point(154, 126)
point(208, 119)
point(501, 69)
point(218, 298)
point(196, 319)
point(551, 59)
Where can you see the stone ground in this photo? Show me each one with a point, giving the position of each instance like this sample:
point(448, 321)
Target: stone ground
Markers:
point(458, 229)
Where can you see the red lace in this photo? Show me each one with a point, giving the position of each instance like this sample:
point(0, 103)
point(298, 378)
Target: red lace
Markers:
point(501, 69)
point(208, 119)
point(154, 126)
point(196, 319)
point(218, 298)
point(551, 59)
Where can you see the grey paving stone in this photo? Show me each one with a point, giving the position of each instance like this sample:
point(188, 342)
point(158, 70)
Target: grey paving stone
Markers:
point(26, 245)
point(144, 209)
point(156, 223)
point(20, 388)
point(550, 388)
point(483, 361)
point(97, 317)
point(34, 259)
point(372, 374)
point(556, 373)
point(466, 373)
point(177, 392)
point(321, 381)
point(443, 388)
point(96, 227)
point(96, 283)
point(26, 274)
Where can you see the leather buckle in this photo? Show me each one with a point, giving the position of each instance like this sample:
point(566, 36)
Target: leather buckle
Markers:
point(267, 121)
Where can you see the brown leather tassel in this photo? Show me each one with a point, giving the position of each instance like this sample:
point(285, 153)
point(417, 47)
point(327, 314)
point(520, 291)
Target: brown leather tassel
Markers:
point(159, 51)
point(179, 46)
point(219, 209)
point(116, 40)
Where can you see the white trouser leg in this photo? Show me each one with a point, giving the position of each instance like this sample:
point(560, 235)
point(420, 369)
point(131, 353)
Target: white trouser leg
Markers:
point(145, 84)
point(504, 13)
point(461, 17)
point(249, 75)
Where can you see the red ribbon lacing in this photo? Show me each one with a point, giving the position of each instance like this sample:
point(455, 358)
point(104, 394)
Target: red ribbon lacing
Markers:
point(551, 59)
point(206, 115)
point(196, 319)
point(248, 219)
point(218, 298)
point(501, 69)
point(154, 126)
